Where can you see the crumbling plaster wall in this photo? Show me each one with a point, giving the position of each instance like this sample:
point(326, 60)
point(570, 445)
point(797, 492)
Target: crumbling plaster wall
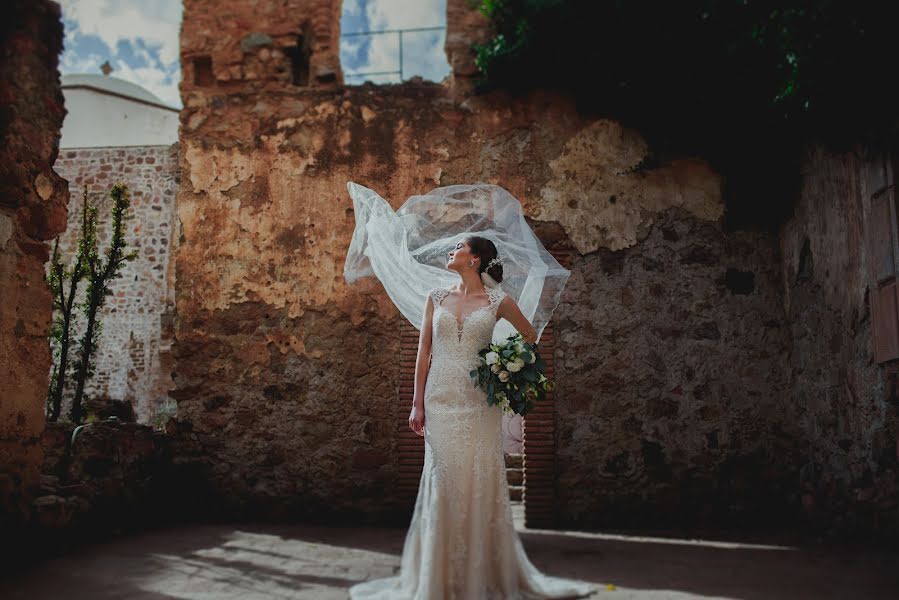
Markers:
point(289, 378)
point(32, 210)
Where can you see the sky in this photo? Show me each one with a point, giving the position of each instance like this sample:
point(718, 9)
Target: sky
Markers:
point(139, 38)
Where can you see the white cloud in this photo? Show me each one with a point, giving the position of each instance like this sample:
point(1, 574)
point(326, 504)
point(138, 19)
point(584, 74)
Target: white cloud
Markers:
point(150, 28)
point(402, 14)
point(74, 63)
point(423, 52)
point(156, 22)
point(156, 80)
point(352, 7)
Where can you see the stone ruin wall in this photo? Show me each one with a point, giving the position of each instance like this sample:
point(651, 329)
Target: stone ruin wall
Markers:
point(841, 430)
point(671, 332)
point(670, 374)
point(681, 365)
point(32, 210)
point(133, 355)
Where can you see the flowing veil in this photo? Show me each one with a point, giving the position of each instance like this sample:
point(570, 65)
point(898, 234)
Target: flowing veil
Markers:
point(406, 249)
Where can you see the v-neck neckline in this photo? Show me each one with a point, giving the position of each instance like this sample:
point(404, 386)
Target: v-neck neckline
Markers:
point(460, 327)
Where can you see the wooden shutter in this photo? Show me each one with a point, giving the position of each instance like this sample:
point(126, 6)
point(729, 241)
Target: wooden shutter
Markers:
point(411, 446)
point(883, 258)
point(539, 427)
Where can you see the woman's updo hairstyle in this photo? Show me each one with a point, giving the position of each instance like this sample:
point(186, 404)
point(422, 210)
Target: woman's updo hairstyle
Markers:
point(486, 251)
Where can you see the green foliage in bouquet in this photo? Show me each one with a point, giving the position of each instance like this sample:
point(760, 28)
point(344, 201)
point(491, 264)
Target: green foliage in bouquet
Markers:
point(512, 375)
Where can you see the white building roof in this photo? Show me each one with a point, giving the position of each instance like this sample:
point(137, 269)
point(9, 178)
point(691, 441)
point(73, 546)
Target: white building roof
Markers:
point(114, 87)
point(105, 111)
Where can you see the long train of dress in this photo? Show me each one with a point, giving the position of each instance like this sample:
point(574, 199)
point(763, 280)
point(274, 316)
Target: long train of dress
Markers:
point(461, 543)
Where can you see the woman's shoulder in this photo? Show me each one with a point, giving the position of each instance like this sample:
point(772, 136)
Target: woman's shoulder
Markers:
point(438, 293)
point(495, 294)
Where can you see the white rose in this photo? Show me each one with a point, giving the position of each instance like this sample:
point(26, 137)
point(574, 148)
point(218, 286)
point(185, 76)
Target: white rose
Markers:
point(515, 365)
point(504, 376)
point(491, 358)
point(496, 367)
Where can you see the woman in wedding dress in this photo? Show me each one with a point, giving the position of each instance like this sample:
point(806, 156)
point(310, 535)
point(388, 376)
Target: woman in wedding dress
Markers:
point(461, 543)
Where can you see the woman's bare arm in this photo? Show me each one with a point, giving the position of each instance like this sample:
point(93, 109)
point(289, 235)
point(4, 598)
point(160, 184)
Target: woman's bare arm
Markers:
point(508, 310)
point(423, 359)
point(422, 365)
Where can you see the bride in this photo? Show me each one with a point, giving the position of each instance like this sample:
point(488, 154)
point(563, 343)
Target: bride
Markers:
point(461, 543)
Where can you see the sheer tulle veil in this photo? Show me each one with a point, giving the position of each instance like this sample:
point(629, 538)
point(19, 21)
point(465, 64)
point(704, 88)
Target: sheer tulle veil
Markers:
point(406, 249)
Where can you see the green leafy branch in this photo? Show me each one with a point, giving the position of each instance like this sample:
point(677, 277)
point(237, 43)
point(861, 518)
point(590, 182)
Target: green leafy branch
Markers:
point(99, 271)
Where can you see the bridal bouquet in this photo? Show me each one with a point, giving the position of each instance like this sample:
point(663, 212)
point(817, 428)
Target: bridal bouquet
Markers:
point(512, 375)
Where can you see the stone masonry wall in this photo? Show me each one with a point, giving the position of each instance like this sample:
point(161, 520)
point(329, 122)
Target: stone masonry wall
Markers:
point(702, 374)
point(133, 359)
point(841, 431)
point(288, 378)
point(670, 371)
point(32, 210)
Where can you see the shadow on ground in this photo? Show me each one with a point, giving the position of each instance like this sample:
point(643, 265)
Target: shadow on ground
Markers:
point(256, 560)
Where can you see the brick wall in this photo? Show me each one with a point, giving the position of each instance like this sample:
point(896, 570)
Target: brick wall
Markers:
point(132, 356)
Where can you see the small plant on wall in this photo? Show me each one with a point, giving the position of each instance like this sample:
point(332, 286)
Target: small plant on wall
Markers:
point(98, 272)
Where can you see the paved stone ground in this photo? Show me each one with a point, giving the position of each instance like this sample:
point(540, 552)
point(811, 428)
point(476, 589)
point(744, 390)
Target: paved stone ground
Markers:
point(254, 561)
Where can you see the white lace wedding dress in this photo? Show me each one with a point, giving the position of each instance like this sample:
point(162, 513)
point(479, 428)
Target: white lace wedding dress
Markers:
point(461, 543)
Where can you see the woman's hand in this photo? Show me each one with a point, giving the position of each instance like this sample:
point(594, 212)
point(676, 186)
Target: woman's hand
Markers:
point(417, 419)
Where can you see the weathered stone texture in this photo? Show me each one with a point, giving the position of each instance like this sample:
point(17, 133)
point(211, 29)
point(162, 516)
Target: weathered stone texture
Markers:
point(271, 46)
point(133, 358)
point(669, 373)
point(701, 375)
point(106, 473)
point(839, 427)
point(601, 204)
point(288, 378)
point(464, 27)
point(32, 209)
point(113, 477)
point(674, 357)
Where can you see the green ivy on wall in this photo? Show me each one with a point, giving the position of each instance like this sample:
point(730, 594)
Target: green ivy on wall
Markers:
point(743, 83)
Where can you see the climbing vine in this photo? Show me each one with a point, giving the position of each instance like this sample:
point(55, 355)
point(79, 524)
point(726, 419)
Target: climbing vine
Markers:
point(743, 83)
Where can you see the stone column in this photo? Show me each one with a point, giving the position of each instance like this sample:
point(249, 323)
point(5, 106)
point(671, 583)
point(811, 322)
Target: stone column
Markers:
point(465, 26)
point(32, 210)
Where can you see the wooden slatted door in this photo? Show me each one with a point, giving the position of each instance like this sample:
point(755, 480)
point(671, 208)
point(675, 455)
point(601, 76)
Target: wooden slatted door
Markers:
point(883, 257)
point(411, 447)
point(540, 450)
point(539, 438)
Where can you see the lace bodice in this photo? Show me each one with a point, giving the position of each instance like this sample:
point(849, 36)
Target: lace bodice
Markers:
point(462, 339)
point(454, 353)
